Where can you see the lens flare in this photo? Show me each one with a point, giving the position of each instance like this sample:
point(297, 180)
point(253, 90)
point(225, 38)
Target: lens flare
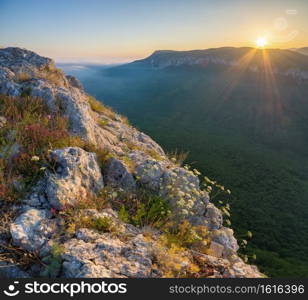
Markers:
point(261, 42)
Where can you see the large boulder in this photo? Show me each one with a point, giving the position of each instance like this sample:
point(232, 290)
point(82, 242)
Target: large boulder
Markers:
point(225, 237)
point(106, 256)
point(32, 229)
point(77, 176)
point(95, 254)
point(118, 175)
point(149, 173)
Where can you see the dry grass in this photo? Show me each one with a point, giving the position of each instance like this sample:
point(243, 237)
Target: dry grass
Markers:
point(51, 74)
point(172, 250)
point(132, 146)
point(102, 154)
point(130, 164)
point(153, 154)
point(7, 215)
point(15, 256)
point(22, 77)
point(173, 261)
point(178, 158)
point(125, 120)
point(74, 217)
point(98, 107)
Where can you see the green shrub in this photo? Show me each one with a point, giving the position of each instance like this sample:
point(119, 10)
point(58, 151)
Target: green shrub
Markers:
point(184, 234)
point(53, 262)
point(123, 214)
point(103, 224)
point(140, 207)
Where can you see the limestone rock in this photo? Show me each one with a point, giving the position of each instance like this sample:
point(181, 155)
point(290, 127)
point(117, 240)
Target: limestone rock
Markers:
point(215, 249)
point(117, 174)
point(74, 82)
point(213, 217)
point(107, 256)
point(77, 176)
point(149, 173)
point(222, 268)
point(32, 229)
point(242, 270)
point(225, 237)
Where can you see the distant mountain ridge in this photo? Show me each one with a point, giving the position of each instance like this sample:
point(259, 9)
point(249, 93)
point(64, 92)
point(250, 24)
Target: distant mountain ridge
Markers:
point(278, 61)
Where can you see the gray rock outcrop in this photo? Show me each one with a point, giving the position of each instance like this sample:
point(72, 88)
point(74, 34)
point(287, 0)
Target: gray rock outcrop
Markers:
point(77, 175)
point(117, 174)
point(32, 229)
point(107, 256)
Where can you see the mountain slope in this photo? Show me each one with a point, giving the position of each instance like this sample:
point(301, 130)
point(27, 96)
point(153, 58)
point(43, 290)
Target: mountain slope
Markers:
point(242, 115)
point(84, 194)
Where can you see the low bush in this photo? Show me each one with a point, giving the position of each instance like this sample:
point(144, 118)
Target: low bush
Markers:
point(139, 208)
point(52, 263)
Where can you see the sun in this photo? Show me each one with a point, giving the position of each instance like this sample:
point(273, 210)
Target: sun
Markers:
point(261, 42)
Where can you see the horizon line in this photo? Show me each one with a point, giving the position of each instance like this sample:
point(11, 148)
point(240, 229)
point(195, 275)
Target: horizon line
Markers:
point(121, 60)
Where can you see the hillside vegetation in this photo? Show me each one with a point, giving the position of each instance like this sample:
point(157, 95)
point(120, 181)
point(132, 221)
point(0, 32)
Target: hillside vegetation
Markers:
point(246, 129)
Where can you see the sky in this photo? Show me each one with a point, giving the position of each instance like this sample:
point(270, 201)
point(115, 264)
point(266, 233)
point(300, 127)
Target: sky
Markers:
point(112, 31)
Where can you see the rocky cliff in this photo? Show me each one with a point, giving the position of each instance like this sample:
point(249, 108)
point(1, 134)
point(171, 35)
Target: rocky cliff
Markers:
point(84, 194)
